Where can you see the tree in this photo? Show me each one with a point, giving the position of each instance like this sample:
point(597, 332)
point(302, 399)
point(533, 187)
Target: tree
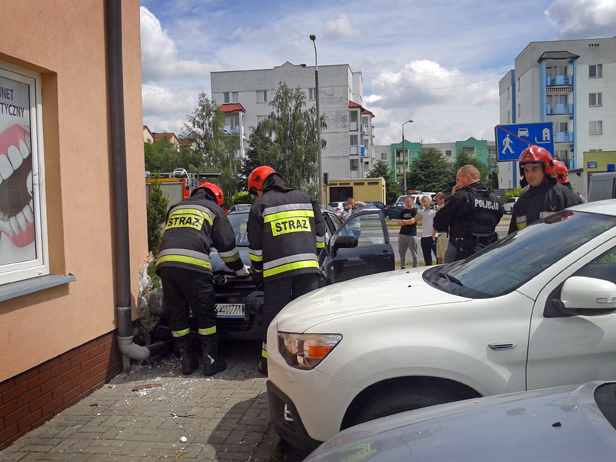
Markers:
point(287, 141)
point(156, 213)
point(164, 156)
point(493, 180)
point(205, 130)
point(430, 172)
point(392, 188)
point(463, 159)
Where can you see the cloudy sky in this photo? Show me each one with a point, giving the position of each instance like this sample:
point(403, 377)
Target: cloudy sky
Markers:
point(438, 62)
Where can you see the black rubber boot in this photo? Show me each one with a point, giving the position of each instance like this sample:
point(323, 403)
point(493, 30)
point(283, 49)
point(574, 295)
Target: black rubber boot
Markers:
point(212, 362)
point(190, 361)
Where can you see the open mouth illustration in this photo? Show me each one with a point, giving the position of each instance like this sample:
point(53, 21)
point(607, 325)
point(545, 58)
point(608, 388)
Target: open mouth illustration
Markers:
point(16, 205)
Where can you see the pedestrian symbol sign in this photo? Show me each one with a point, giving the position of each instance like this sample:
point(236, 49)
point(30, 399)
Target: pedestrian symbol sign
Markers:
point(511, 140)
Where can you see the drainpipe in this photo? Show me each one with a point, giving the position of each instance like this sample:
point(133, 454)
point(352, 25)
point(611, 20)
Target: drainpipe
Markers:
point(120, 188)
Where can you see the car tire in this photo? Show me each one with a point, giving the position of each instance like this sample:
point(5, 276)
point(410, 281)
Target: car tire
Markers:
point(400, 399)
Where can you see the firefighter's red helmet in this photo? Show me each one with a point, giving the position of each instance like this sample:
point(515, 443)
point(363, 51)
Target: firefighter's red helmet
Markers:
point(257, 177)
point(220, 197)
point(535, 154)
point(560, 172)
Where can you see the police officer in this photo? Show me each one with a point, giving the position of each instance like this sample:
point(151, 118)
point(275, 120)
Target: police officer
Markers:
point(194, 226)
point(285, 229)
point(471, 213)
point(560, 173)
point(544, 195)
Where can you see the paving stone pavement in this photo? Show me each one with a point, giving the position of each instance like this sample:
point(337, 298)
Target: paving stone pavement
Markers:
point(146, 414)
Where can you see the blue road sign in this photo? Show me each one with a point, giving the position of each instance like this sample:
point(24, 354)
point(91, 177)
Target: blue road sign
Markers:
point(511, 140)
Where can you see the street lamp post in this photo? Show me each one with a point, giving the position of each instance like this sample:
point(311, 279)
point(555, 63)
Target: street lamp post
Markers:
point(404, 154)
point(316, 90)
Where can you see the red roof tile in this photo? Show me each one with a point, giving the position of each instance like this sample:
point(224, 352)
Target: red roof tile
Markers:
point(232, 107)
point(354, 105)
point(158, 136)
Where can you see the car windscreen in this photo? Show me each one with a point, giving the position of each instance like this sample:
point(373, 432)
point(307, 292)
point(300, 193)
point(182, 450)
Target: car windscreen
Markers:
point(516, 259)
point(239, 223)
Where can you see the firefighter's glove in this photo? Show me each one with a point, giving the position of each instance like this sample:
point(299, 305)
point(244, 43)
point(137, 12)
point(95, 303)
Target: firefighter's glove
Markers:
point(243, 272)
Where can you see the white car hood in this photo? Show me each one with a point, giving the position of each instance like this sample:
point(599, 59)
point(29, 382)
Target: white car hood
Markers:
point(379, 292)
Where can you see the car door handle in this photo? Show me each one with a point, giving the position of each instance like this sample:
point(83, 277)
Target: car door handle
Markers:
point(502, 346)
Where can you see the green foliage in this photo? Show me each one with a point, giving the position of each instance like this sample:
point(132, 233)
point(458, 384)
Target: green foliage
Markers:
point(156, 213)
point(430, 172)
point(463, 159)
point(243, 198)
point(163, 156)
point(517, 192)
point(205, 128)
point(287, 141)
point(493, 182)
point(392, 188)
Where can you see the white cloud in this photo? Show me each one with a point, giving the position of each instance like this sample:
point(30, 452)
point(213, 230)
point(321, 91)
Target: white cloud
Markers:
point(577, 19)
point(164, 110)
point(341, 27)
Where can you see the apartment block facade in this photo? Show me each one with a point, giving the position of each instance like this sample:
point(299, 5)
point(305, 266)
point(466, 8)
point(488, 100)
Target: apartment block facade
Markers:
point(571, 84)
point(244, 98)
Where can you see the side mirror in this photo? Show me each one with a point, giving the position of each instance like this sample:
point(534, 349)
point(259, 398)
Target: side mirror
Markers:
point(344, 242)
point(588, 296)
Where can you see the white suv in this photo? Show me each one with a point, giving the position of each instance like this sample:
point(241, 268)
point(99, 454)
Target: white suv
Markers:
point(533, 310)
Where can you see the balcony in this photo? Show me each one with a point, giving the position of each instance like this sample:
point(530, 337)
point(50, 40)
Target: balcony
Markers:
point(352, 126)
point(555, 109)
point(363, 128)
point(357, 150)
point(232, 129)
point(559, 80)
point(563, 137)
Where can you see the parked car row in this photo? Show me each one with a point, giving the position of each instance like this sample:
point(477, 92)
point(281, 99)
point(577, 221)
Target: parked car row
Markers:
point(532, 311)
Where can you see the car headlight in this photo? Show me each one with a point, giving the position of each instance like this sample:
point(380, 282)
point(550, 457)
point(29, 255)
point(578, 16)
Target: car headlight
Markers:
point(305, 351)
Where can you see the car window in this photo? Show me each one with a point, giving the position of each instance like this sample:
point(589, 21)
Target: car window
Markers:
point(239, 223)
point(511, 199)
point(603, 267)
point(514, 260)
point(367, 228)
point(336, 221)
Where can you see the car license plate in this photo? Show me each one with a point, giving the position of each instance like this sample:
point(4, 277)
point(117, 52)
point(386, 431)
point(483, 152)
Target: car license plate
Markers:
point(230, 310)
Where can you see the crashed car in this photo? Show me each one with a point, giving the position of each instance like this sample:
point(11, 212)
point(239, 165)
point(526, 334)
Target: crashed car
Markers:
point(358, 247)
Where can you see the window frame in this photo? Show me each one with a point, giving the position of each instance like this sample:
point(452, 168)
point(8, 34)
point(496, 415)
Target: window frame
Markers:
point(312, 94)
point(598, 127)
point(39, 265)
point(598, 71)
point(263, 94)
point(598, 99)
point(225, 97)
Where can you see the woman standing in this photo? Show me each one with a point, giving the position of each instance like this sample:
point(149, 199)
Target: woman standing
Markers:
point(428, 233)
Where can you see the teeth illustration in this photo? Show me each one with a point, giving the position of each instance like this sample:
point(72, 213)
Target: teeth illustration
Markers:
point(27, 211)
point(21, 219)
point(29, 183)
point(15, 157)
point(14, 225)
point(28, 142)
point(7, 227)
point(5, 167)
point(23, 149)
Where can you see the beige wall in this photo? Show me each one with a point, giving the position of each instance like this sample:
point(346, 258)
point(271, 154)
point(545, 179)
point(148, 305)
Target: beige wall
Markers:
point(65, 41)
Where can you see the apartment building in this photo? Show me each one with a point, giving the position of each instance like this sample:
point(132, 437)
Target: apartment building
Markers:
point(244, 98)
point(570, 83)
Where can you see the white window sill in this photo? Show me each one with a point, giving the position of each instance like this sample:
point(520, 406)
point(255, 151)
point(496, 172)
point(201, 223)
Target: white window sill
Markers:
point(29, 286)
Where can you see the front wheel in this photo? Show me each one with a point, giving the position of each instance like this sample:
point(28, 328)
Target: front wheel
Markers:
point(403, 398)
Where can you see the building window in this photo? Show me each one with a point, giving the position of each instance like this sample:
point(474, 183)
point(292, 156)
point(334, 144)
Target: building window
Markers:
point(595, 70)
point(354, 165)
point(260, 119)
point(560, 127)
point(508, 117)
point(562, 154)
point(234, 96)
point(595, 127)
point(353, 140)
point(519, 110)
point(595, 99)
point(262, 96)
point(448, 153)
point(311, 94)
point(518, 85)
point(23, 226)
point(225, 97)
point(383, 156)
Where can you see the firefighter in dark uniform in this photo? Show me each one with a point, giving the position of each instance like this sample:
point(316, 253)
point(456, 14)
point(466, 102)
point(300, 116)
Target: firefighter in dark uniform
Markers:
point(194, 226)
point(471, 213)
point(561, 173)
point(544, 195)
point(285, 231)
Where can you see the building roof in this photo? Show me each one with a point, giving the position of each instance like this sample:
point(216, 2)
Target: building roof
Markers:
point(354, 105)
point(367, 112)
point(557, 55)
point(158, 136)
point(232, 107)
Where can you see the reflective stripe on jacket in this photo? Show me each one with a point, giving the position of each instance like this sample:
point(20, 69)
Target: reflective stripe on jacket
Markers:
point(193, 227)
point(285, 229)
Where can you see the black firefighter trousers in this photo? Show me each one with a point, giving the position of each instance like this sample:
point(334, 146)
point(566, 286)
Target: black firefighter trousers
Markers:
point(281, 291)
point(183, 288)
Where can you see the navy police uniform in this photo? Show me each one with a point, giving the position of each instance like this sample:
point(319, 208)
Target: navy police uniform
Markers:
point(472, 214)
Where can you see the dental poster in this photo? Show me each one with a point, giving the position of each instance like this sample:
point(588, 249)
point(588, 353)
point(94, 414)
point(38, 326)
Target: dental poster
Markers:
point(17, 223)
